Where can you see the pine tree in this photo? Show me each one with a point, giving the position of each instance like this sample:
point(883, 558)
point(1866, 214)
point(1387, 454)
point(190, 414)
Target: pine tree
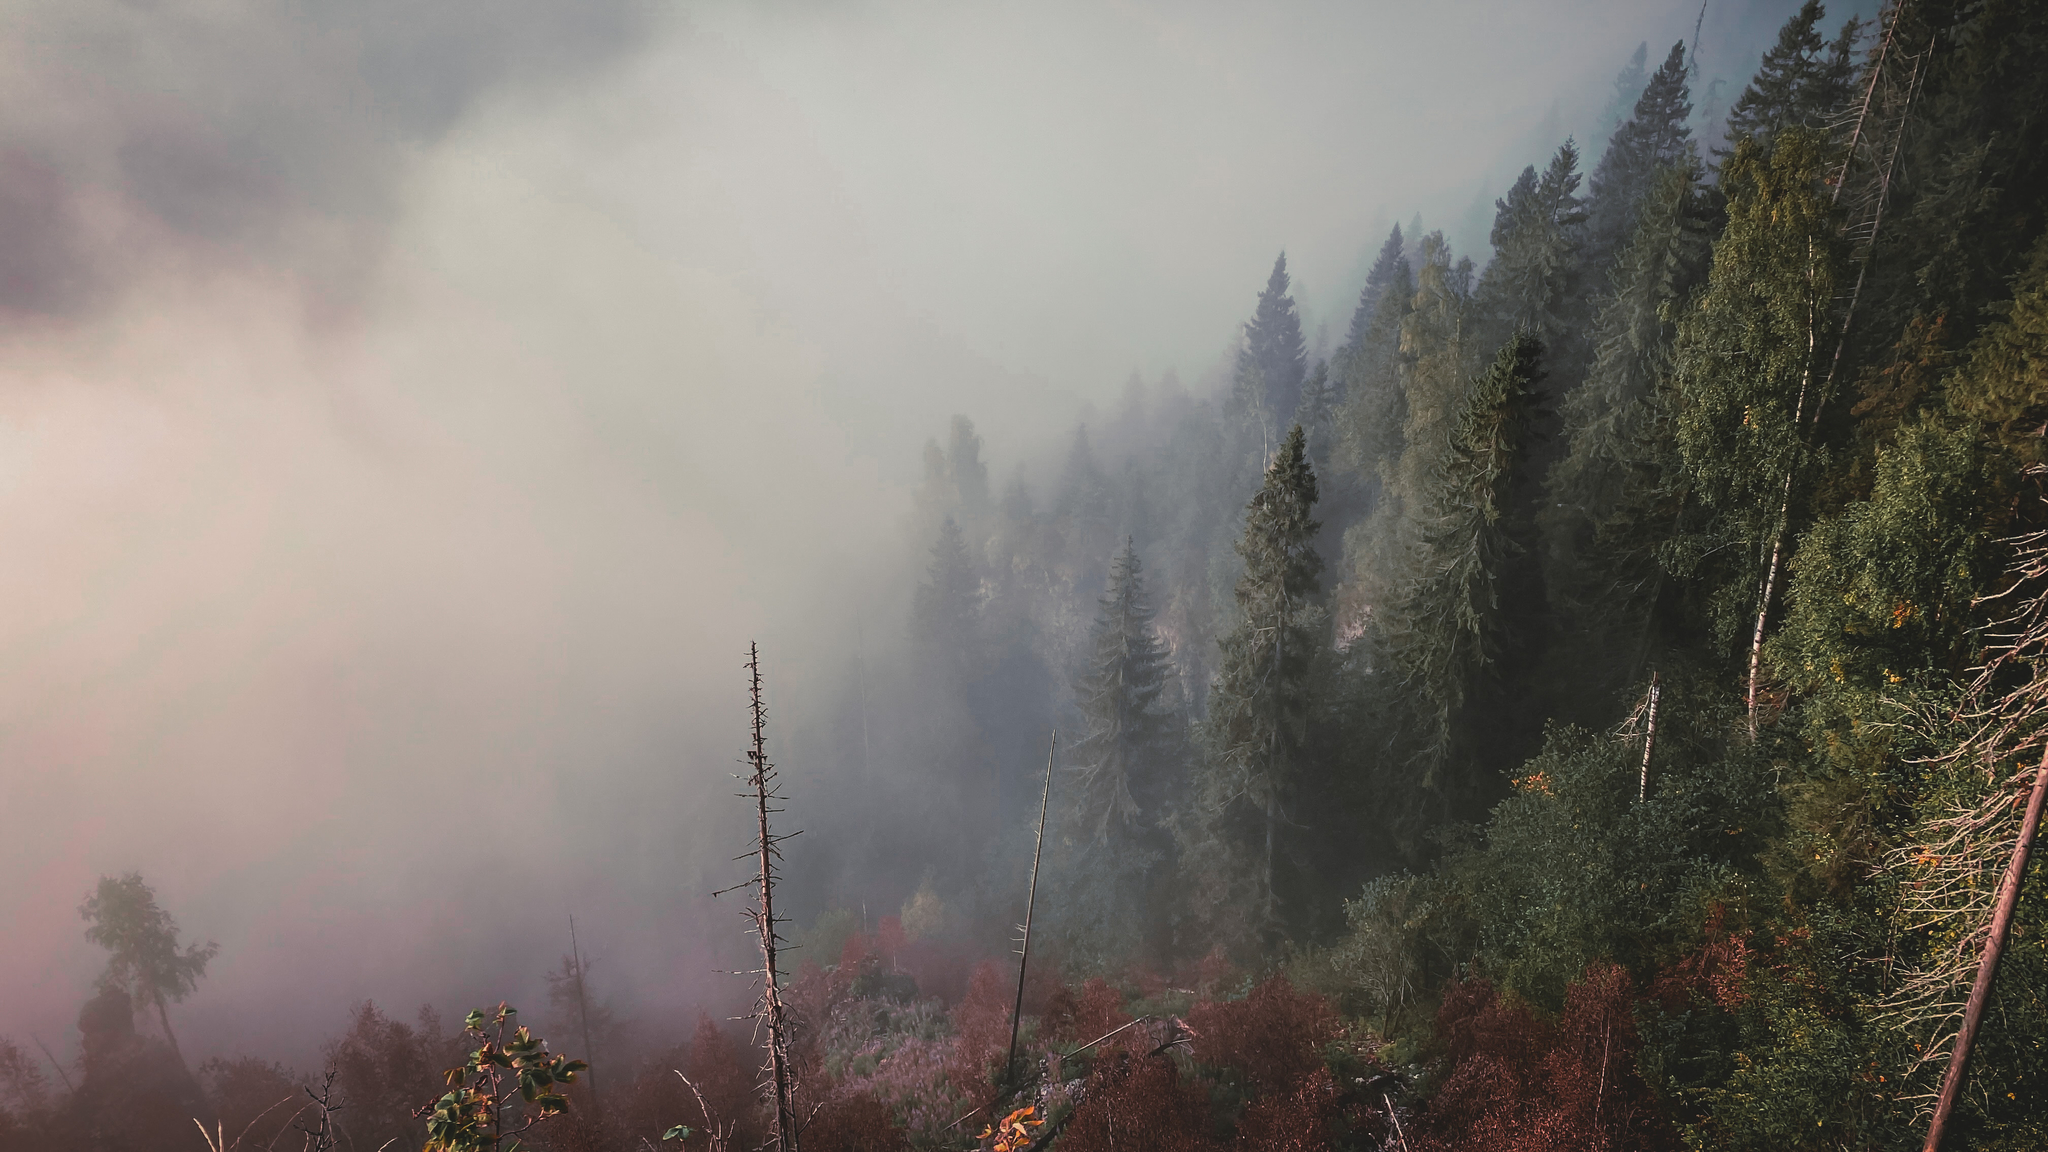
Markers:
point(1654, 138)
point(1533, 282)
point(1467, 606)
point(1369, 415)
point(1803, 80)
point(1121, 764)
point(1273, 361)
point(1607, 507)
point(1259, 709)
point(946, 608)
point(1628, 84)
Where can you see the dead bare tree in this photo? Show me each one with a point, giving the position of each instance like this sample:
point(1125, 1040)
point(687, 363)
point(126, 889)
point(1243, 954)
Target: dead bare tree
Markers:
point(1030, 905)
point(764, 791)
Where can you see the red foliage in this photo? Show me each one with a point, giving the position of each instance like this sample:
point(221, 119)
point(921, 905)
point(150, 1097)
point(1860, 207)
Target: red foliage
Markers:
point(1718, 971)
point(854, 1122)
point(1519, 1083)
point(729, 1078)
point(1134, 1102)
point(1297, 1121)
point(981, 1023)
point(1274, 1036)
point(1072, 1019)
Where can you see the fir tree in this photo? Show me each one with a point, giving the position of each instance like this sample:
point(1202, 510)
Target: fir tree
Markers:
point(1628, 84)
point(1273, 361)
point(1369, 415)
point(947, 606)
point(1608, 506)
point(1803, 82)
point(1533, 281)
point(1121, 765)
point(1654, 138)
point(1467, 605)
point(1259, 709)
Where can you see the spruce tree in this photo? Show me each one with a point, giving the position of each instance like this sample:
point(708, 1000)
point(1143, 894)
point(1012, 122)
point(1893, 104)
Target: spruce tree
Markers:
point(1628, 84)
point(1259, 708)
point(1273, 361)
point(1608, 506)
point(1469, 604)
point(947, 606)
point(1122, 763)
point(1533, 283)
point(1654, 138)
point(1369, 415)
point(1803, 82)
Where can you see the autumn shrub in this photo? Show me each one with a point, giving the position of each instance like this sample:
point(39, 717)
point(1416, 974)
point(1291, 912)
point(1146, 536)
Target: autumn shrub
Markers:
point(728, 1077)
point(1303, 1120)
point(384, 1069)
point(1272, 1039)
point(1078, 1019)
point(1514, 1080)
point(253, 1101)
point(981, 1025)
point(854, 1122)
point(1133, 1101)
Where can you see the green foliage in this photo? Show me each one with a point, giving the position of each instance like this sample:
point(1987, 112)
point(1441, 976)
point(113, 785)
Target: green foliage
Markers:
point(142, 939)
point(1803, 80)
point(1457, 616)
point(1259, 710)
point(1748, 352)
point(1272, 362)
point(470, 1117)
point(1655, 138)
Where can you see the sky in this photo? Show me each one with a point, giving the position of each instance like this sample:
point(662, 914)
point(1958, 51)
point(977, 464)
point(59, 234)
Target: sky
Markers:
point(409, 413)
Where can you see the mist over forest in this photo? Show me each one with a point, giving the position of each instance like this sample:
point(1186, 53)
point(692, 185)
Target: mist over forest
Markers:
point(1475, 573)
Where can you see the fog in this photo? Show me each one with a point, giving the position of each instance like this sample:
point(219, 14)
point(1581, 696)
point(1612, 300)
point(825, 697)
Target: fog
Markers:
point(407, 423)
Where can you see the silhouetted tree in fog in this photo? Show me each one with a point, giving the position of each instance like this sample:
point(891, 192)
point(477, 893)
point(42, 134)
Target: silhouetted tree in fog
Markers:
point(142, 938)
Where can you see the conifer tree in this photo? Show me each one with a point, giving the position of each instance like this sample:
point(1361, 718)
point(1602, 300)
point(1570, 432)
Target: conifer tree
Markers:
point(1259, 709)
point(1273, 361)
point(1654, 138)
point(1369, 414)
point(1533, 283)
point(1121, 764)
point(1468, 603)
point(947, 605)
point(1628, 84)
point(1608, 505)
point(1803, 80)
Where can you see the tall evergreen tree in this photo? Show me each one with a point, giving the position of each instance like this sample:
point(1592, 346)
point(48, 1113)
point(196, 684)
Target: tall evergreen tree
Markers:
point(1369, 415)
point(1607, 507)
point(1803, 82)
point(1534, 281)
point(1628, 84)
point(1654, 138)
point(1257, 731)
point(947, 606)
point(1273, 361)
point(1469, 605)
point(1121, 766)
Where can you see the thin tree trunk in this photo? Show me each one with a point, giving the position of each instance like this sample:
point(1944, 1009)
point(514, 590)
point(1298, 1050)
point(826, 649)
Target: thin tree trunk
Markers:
point(1987, 968)
point(1649, 741)
point(784, 1134)
point(165, 1018)
point(583, 1012)
point(1030, 906)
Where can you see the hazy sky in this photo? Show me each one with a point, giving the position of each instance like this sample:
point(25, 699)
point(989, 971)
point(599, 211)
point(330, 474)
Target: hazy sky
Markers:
point(406, 419)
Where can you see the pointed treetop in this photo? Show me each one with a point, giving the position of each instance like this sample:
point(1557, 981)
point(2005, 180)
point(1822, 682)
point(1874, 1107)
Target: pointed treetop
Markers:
point(1274, 355)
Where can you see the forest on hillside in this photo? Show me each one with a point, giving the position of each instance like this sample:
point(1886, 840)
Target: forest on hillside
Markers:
point(1592, 707)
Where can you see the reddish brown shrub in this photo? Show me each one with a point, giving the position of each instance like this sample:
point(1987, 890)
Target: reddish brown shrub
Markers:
point(1297, 1121)
point(1717, 972)
point(728, 1077)
point(1097, 1010)
point(981, 1024)
point(1273, 1037)
point(854, 1122)
point(1134, 1102)
point(1516, 1082)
